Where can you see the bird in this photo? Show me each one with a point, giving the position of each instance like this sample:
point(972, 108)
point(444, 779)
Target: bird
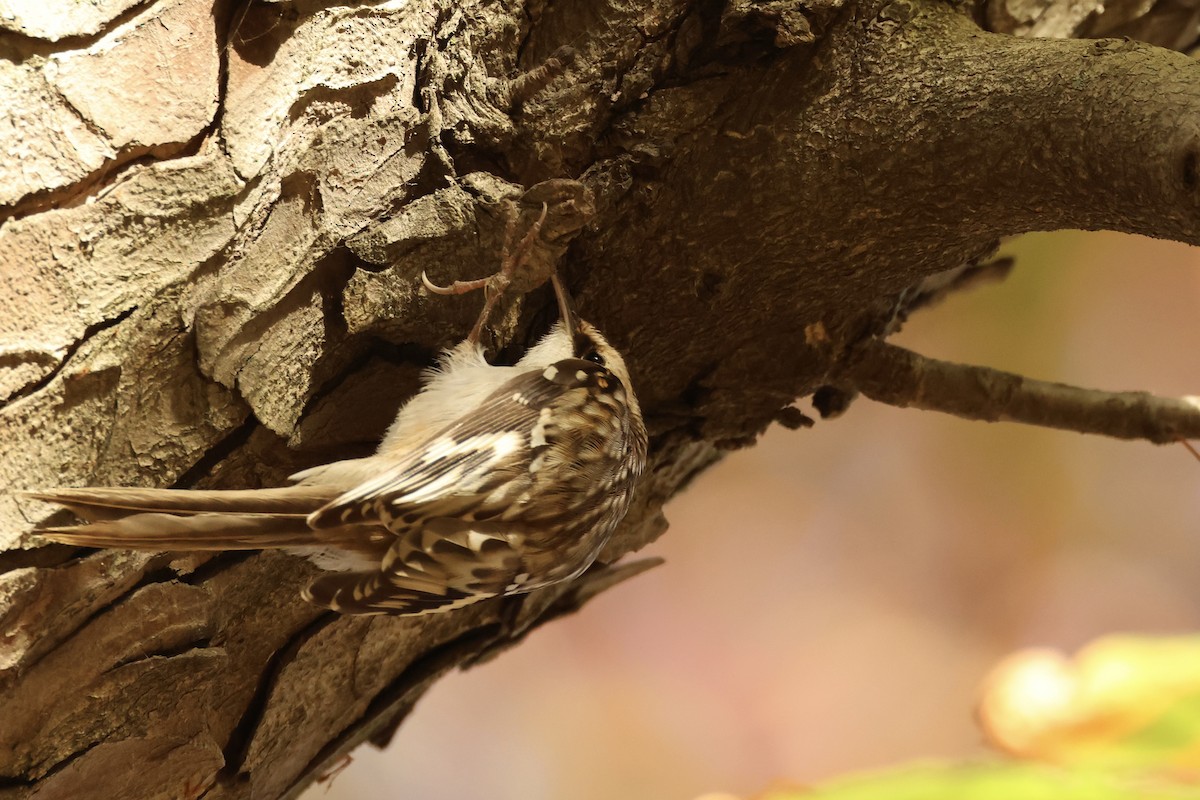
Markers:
point(491, 481)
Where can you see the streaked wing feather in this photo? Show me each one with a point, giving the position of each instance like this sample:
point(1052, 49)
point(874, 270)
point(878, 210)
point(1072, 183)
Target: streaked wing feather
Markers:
point(460, 459)
point(450, 563)
point(362, 593)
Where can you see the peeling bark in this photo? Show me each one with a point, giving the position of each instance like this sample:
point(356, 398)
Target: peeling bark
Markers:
point(213, 223)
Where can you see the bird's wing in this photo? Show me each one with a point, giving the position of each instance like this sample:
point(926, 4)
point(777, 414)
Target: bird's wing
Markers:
point(446, 503)
point(449, 563)
point(479, 454)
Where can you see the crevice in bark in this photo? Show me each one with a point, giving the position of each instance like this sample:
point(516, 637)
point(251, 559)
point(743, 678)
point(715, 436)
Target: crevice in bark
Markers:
point(13, 359)
point(396, 701)
point(99, 180)
point(402, 354)
point(327, 276)
point(160, 573)
point(19, 47)
point(240, 739)
point(357, 102)
point(50, 772)
point(235, 14)
point(155, 566)
point(38, 557)
point(1190, 171)
point(214, 566)
point(92, 330)
point(182, 648)
point(216, 454)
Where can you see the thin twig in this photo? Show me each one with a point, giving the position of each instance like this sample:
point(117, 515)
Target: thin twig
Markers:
point(900, 377)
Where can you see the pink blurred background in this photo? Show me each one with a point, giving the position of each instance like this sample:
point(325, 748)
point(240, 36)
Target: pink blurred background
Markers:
point(833, 597)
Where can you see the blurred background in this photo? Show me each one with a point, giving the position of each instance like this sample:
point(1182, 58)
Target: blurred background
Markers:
point(832, 598)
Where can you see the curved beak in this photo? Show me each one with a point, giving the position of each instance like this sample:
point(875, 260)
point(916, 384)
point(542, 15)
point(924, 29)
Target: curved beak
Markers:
point(566, 308)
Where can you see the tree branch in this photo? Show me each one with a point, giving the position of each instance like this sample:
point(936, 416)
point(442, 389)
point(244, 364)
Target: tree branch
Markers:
point(919, 143)
point(900, 377)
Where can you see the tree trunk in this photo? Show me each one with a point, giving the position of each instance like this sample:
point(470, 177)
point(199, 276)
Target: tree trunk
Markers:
point(216, 218)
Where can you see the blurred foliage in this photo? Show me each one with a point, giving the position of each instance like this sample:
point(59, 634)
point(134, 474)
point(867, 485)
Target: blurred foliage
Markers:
point(997, 781)
point(1121, 702)
point(1120, 719)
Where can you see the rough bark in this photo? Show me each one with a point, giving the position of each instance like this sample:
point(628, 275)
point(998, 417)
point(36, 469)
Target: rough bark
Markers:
point(215, 220)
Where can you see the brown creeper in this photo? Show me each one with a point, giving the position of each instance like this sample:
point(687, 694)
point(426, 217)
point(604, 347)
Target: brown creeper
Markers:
point(493, 480)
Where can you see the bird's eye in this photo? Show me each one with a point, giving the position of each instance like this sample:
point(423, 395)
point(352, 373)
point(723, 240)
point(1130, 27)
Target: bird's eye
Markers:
point(594, 357)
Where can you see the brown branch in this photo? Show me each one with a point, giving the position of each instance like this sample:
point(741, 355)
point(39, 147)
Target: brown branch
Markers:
point(900, 377)
point(945, 142)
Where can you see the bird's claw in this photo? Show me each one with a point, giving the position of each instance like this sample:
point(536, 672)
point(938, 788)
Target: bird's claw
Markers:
point(458, 287)
point(497, 284)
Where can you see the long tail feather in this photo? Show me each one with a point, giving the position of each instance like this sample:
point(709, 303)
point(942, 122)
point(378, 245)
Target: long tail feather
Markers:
point(201, 531)
point(115, 503)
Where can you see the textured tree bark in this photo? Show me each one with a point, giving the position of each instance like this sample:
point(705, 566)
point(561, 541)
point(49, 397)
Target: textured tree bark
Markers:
point(215, 220)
